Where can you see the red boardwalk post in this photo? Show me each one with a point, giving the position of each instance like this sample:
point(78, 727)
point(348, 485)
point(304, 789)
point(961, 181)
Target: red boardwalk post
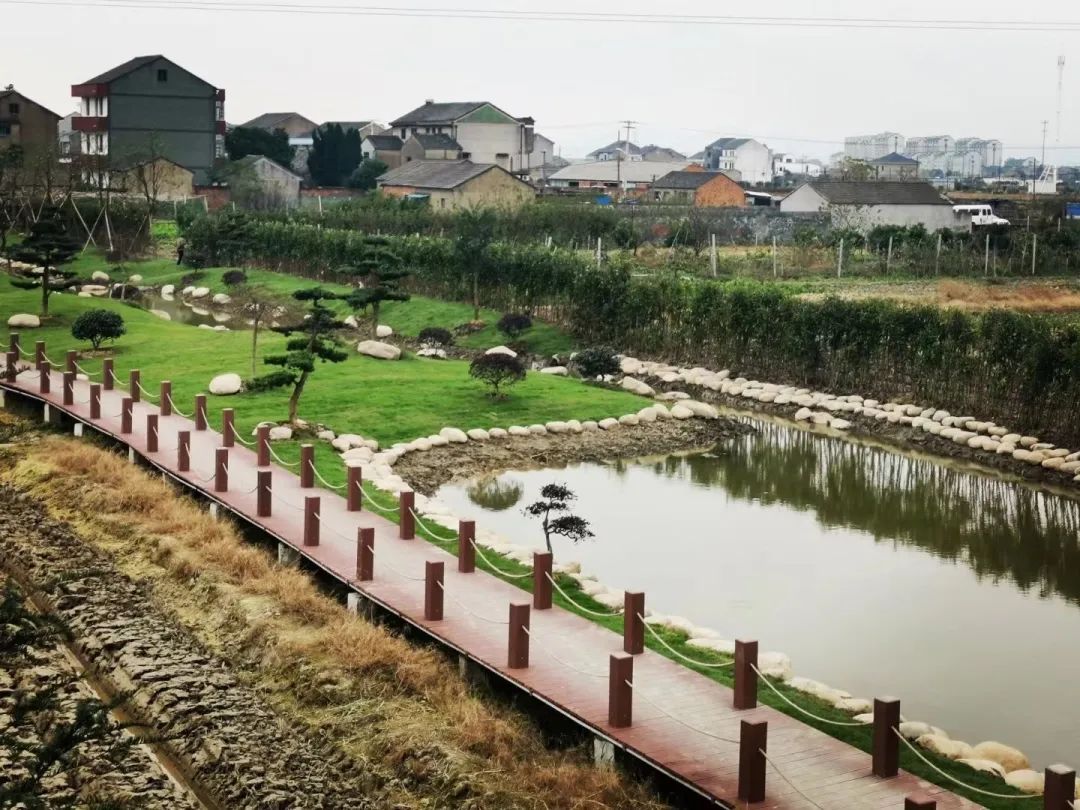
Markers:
point(1059, 788)
point(307, 466)
point(752, 741)
point(620, 690)
point(365, 554)
point(125, 414)
point(183, 450)
point(311, 520)
point(108, 376)
point(466, 552)
point(46, 379)
point(151, 433)
point(406, 521)
point(134, 380)
point(39, 354)
point(10, 361)
point(200, 411)
point(13, 344)
point(886, 752)
point(263, 442)
point(95, 400)
point(69, 386)
point(70, 360)
point(354, 488)
point(518, 652)
point(263, 496)
point(542, 580)
point(745, 674)
point(221, 469)
point(433, 591)
point(228, 427)
point(919, 803)
point(633, 622)
point(165, 398)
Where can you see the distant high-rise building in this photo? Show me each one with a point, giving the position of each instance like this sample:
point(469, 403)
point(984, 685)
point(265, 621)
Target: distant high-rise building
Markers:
point(930, 143)
point(872, 147)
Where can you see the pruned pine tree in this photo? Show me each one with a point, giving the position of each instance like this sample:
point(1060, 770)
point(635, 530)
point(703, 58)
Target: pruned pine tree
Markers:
point(48, 246)
point(556, 499)
point(381, 273)
point(314, 341)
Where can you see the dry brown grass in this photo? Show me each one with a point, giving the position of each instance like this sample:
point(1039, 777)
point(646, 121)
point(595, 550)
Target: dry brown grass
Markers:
point(1032, 297)
point(380, 698)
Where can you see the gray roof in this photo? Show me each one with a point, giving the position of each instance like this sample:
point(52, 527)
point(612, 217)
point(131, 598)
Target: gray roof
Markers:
point(894, 158)
point(436, 174)
point(438, 113)
point(436, 141)
point(385, 143)
point(345, 125)
point(133, 65)
point(878, 192)
point(686, 181)
point(666, 152)
point(251, 160)
point(625, 146)
point(269, 121)
point(14, 92)
point(728, 143)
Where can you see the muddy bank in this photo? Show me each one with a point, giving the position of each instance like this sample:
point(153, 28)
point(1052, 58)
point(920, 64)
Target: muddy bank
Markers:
point(426, 472)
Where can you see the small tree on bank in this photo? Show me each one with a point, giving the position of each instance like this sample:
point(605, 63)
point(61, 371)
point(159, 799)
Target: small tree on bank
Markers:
point(315, 341)
point(97, 326)
point(381, 273)
point(556, 499)
point(498, 370)
point(49, 247)
point(258, 304)
point(475, 231)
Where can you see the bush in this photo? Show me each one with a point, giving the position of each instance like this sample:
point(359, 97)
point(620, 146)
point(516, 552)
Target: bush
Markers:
point(596, 362)
point(97, 326)
point(498, 371)
point(234, 277)
point(513, 324)
point(436, 336)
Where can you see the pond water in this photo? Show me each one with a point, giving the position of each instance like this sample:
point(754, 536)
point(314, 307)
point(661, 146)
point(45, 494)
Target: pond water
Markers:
point(877, 572)
point(186, 313)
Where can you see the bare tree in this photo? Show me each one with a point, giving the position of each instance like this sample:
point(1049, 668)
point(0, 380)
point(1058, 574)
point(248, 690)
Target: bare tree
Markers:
point(261, 306)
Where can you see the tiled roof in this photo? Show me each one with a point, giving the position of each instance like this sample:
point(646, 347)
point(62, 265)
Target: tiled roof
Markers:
point(124, 69)
point(270, 121)
point(438, 113)
point(438, 174)
point(851, 192)
point(624, 146)
point(439, 141)
point(385, 143)
point(895, 158)
point(686, 181)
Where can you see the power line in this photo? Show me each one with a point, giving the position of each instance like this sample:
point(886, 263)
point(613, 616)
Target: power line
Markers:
point(1007, 26)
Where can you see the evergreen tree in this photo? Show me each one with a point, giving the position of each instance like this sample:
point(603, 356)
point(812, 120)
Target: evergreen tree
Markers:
point(334, 156)
point(475, 231)
point(48, 246)
point(380, 271)
point(314, 340)
point(243, 141)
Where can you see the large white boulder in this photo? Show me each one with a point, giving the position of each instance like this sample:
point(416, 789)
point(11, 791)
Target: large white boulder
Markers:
point(498, 433)
point(357, 454)
point(950, 749)
point(377, 349)
point(559, 371)
point(984, 766)
point(478, 434)
point(557, 427)
point(167, 290)
point(351, 322)
point(1006, 756)
point(538, 430)
point(226, 384)
point(280, 433)
point(702, 409)
point(383, 331)
point(637, 387)
point(222, 298)
point(1026, 780)
point(160, 313)
point(452, 434)
point(24, 321)
point(647, 414)
point(516, 430)
point(629, 419)
point(135, 278)
point(501, 350)
point(680, 411)
point(98, 275)
point(434, 353)
point(200, 292)
point(608, 424)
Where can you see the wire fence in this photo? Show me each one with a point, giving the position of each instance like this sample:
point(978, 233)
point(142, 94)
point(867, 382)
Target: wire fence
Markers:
point(241, 439)
point(793, 704)
point(582, 608)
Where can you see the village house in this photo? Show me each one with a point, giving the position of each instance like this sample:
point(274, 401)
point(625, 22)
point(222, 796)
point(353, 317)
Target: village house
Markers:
point(617, 150)
point(631, 176)
point(25, 123)
point(699, 189)
point(159, 178)
point(430, 147)
point(661, 154)
point(386, 148)
point(751, 159)
point(448, 185)
point(486, 133)
point(864, 205)
point(293, 124)
point(364, 128)
point(894, 166)
point(261, 182)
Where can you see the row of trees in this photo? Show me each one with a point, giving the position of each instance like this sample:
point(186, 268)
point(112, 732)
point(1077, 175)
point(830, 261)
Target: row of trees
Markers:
point(334, 159)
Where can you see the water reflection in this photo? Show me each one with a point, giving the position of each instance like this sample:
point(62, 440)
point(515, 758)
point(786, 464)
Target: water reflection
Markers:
point(185, 313)
point(496, 493)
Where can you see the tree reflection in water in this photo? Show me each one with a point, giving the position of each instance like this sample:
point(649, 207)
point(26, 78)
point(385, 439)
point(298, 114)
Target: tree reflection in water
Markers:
point(496, 493)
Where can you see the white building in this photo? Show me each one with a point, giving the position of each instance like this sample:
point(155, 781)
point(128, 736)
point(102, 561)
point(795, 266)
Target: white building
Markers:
point(872, 147)
point(750, 158)
point(924, 144)
point(864, 205)
point(785, 164)
point(613, 174)
point(991, 150)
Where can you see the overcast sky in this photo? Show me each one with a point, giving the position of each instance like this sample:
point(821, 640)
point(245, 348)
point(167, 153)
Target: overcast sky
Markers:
point(799, 89)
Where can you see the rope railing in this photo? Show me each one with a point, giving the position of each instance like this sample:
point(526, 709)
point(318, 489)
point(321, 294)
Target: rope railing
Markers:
point(179, 412)
point(784, 777)
point(794, 705)
point(87, 373)
point(679, 720)
point(241, 439)
point(284, 501)
point(279, 459)
point(204, 480)
point(319, 475)
point(567, 664)
point(145, 392)
point(428, 529)
point(371, 502)
point(495, 568)
point(473, 612)
point(673, 651)
point(50, 361)
point(582, 608)
point(952, 778)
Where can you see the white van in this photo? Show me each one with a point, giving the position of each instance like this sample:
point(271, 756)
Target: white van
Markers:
point(980, 214)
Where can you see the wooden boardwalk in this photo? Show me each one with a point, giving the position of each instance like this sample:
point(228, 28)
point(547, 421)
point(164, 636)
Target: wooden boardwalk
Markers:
point(684, 725)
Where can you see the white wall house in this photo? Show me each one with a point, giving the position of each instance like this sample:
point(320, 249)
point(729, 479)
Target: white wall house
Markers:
point(785, 164)
point(486, 133)
point(751, 159)
point(864, 205)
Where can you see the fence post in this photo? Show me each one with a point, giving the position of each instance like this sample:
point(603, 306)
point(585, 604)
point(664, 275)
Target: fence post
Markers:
point(263, 442)
point(228, 427)
point(183, 450)
point(840, 260)
point(1059, 788)
point(633, 622)
point(466, 553)
point(70, 360)
point(518, 647)
point(126, 410)
point(165, 398)
point(937, 256)
point(307, 466)
point(200, 411)
point(108, 375)
point(354, 488)
point(753, 737)
point(39, 354)
point(151, 433)
point(986, 257)
point(45, 385)
point(406, 521)
point(263, 508)
point(919, 803)
point(13, 344)
point(10, 361)
point(133, 385)
point(620, 690)
point(311, 520)
point(433, 591)
point(746, 653)
point(221, 469)
point(69, 382)
point(774, 257)
point(1034, 250)
point(886, 751)
point(888, 257)
point(542, 580)
point(365, 554)
point(712, 253)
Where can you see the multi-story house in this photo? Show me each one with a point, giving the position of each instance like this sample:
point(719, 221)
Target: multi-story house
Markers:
point(150, 107)
point(486, 133)
point(25, 123)
point(617, 150)
point(750, 158)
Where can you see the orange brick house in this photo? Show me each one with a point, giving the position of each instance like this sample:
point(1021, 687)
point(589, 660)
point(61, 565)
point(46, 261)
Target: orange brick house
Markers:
point(699, 188)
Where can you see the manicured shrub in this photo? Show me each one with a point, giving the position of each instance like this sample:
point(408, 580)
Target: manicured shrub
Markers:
point(97, 326)
point(513, 324)
point(498, 371)
point(234, 277)
point(596, 362)
point(435, 336)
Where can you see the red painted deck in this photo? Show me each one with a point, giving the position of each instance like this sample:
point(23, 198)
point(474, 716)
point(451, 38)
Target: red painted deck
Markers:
point(683, 723)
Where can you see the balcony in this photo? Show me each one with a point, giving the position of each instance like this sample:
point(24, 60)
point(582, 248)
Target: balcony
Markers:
point(90, 123)
point(89, 90)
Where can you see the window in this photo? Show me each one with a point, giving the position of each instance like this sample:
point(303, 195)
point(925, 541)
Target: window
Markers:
point(13, 109)
point(5, 129)
point(162, 75)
